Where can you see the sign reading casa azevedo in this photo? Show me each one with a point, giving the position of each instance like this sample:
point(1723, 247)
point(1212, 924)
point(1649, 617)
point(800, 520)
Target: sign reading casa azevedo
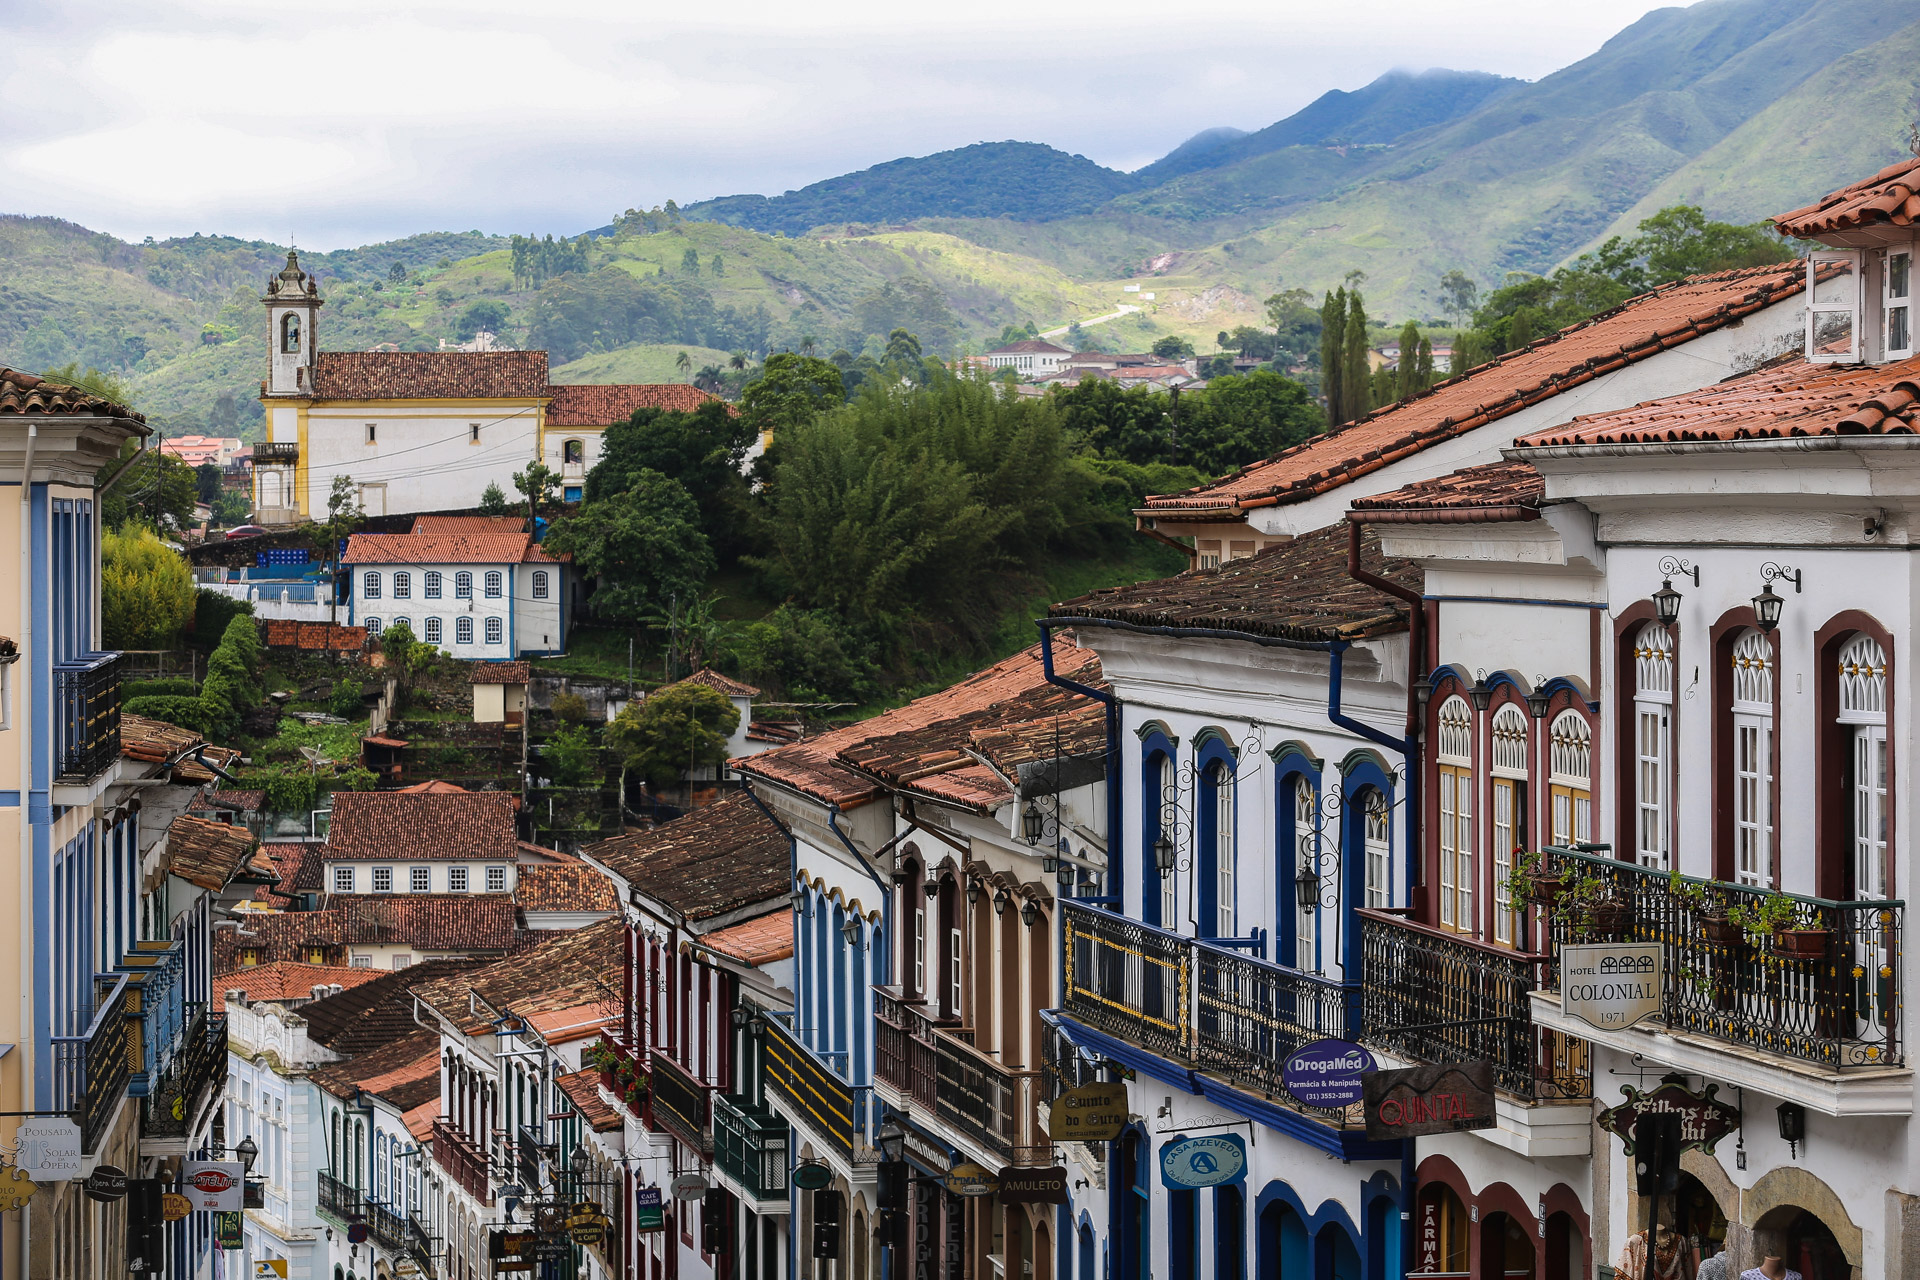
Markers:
point(1213, 1161)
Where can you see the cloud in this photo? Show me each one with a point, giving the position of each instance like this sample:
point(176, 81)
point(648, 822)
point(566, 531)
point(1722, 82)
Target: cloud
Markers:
point(362, 119)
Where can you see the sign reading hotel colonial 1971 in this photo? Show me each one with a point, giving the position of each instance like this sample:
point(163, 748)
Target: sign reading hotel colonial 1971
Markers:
point(1610, 985)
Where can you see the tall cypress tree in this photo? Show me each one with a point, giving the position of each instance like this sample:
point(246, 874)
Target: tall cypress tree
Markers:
point(1425, 367)
point(1409, 361)
point(1333, 331)
point(1353, 360)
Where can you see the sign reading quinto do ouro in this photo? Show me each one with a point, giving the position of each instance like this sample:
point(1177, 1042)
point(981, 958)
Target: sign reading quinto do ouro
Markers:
point(1610, 985)
point(1204, 1162)
point(1327, 1073)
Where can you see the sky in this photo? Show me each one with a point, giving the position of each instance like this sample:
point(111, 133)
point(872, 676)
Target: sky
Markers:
point(348, 122)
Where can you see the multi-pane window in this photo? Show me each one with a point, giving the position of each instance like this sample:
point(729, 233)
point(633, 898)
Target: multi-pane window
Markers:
point(383, 879)
point(463, 585)
point(463, 630)
point(496, 631)
point(1833, 310)
point(373, 626)
point(1753, 759)
point(1454, 753)
point(402, 585)
point(1225, 856)
point(1169, 808)
point(540, 584)
point(433, 631)
point(496, 879)
point(919, 950)
point(1652, 744)
point(953, 973)
point(430, 584)
point(1378, 850)
point(456, 879)
point(1509, 734)
point(420, 879)
point(1863, 710)
point(1897, 298)
point(1570, 778)
point(369, 586)
point(493, 584)
point(343, 879)
point(1306, 838)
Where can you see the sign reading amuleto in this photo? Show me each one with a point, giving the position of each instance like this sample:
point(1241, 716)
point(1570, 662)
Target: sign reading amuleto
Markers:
point(1610, 985)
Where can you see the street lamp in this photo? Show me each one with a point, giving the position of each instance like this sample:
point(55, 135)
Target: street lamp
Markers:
point(1000, 898)
point(1163, 854)
point(1538, 701)
point(1766, 608)
point(248, 1151)
point(1666, 604)
point(973, 891)
point(1029, 913)
point(1033, 823)
point(892, 1140)
point(1306, 887)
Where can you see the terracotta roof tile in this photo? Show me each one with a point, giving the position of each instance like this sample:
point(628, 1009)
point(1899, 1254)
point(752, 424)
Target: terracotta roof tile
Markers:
point(288, 980)
point(377, 1010)
point(764, 940)
point(450, 540)
point(153, 741)
point(812, 765)
point(1641, 327)
point(429, 375)
point(583, 1091)
point(500, 673)
point(301, 863)
point(563, 972)
point(1298, 590)
point(714, 680)
point(416, 825)
point(1890, 197)
point(461, 923)
point(564, 886)
point(1789, 398)
point(396, 1071)
point(713, 860)
point(603, 405)
point(206, 853)
point(432, 786)
point(28, 394)
point(1504, 490)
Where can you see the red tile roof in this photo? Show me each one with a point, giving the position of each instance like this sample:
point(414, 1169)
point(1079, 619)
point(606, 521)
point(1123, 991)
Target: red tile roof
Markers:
point(602, 406)
point(1787, 398)
point(714, 680)
point(459, 923)
point(282, 633)
point(418, 825)
point(1029, 346)
point(207, 853)
point(433, 786)
point(564, 886)
point(1641, 327)
point(1495, 490)
point(812, 765)
point(500, 673)
point(1890, 197)
point(714, 860)
point(583, 1091)
point(380, 1009)
point(287, 980)
point(754, 942)
point(396, 1071)
point(1298, 590)
point(450, 540)
point(429, 375)
point(300, 863)
point(571, 968)
point(28, 394)
point(154, 741)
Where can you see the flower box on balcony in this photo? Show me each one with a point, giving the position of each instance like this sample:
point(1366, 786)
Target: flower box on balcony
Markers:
point(1543, 888)
point(1721, 929)
point(1802, 944)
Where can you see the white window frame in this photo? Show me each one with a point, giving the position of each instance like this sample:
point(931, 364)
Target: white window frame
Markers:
point(1377, 836)
point(1512, 745)
point(402, 585)
point(1306, 839)
point(540, 584)
point(383, 879)
point(1753, 782)
point(495, 584)
point(1863, 711)
point(496, 879)
point(360, 960)
point(1897, 300)
point(1226, 854)
point(419, 879)
point(457, 879)
point(1169, 810)
point(370, 585)
point(343, 879)
point(1841, 297)
point(463, 630)
point(920, 950)
point(1458, 869)
point(463, 585)
point(1570, 778)
point(433, 631)
point(496, 631)
point(373, 626)
point(1653, 661)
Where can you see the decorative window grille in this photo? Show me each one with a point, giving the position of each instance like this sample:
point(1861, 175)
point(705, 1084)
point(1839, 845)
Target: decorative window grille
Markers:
point(1570, 777)
point(1458, 869)
point(1753, 759)
point(1376, 835)
point(1863, 709)
point(1652, 744)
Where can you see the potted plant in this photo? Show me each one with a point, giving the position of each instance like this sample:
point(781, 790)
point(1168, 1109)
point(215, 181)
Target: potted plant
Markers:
point(1772, 916)
point(636, 1097)
point(1587, 905)
point(1708, 908)
point(604, 1059)
point(1533, 880)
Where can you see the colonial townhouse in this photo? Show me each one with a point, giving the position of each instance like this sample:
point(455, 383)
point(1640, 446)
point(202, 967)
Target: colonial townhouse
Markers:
point(1676, 338)
point(1262, 758)
point(507, 1033)
point(709, 958)
point(377, 1112)
point(929, 845)
point(475, 587)
point(401, 843)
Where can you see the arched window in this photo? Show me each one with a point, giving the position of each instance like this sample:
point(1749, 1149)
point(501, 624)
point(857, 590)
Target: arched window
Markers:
point(289, 333)
point(402, 585)
point(1378, 850)
point(540, 584)
point(463, 585)
point(370, 586)
point(1219, 861)
point(1509, 733)
point(463, 630)
point(1453, 750)
point(1306, 839)
point(373, 626)
point(493, 584)
point(1653, 744)
point(433, 631)
point(496, 631)
point(913, 893)
point(1570, 778)
point(1753, 758)
point(1863, 710)
point(573, 452)
point(430, 586)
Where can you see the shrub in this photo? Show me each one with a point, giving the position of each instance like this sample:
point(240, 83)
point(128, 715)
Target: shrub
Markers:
point(188, 713)
point(290, 791)
point(572, 760)
point(570, 707)
point(146, 590)
point(171, 687)
point(212, 612)
point(349, 698)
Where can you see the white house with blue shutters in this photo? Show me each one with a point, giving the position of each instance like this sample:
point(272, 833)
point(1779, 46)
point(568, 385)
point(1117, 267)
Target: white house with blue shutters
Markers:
point(476, 587)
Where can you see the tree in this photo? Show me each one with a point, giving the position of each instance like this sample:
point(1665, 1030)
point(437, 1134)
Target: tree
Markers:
point(717, 265)
point(739, 360)
point(644, 545)
point(536, 484)
point(690, 261)
point(1354, 366)
point(344, 515)
point(1172, 347)
point(683, 363)
point(493, 501)
point(206, 481)
point(790, 390)
point(1458, 295)
point(485, 314)
point(1333, 337)
point(152, 487)
point(674, 732)
point(702, 451)
point(146, 590)
point(570, 756)
point(1410, 381)
point(397, 272)
point(903, 349)
point(1425, 367)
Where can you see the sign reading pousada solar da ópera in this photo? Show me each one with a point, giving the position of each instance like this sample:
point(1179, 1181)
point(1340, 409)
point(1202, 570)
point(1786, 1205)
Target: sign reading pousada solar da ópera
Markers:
point(1610, 985)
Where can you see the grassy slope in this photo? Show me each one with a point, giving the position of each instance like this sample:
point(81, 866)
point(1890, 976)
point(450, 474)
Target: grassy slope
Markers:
point(642, 363)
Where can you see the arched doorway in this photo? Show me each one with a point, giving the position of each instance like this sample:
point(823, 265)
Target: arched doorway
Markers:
point(1133, 1258)
point(1284, 1249)
point(1506, 1250)
point(1334, 1256)
point(1563, 1252)
point(1806, 1242)
point(1697, 1218)
point(1442, 1246)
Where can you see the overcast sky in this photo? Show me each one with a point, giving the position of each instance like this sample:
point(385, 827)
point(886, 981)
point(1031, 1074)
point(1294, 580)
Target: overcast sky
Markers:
point(351, 121)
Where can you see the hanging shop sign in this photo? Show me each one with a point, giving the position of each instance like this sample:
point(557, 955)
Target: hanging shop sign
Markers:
point(270, 1269)
point(1033, 1186)
point(1610, 985)
point(689, 1186)
point(1214, 1161)
point(1424, 1100)
point(588, 1225)
point(16, 1188)
point(1704, 1119)
point(357, 1233)
point(216, 1186)
point(812, 1177)
point(49, 1149)
point(1091, 1113)
point(226, 1230)
point(106, 1183)
point(648, 1213)
point(971, 1180)
point(923, 1151)
point(174, 1207)
point(512, 1250)
point(1327, 1073)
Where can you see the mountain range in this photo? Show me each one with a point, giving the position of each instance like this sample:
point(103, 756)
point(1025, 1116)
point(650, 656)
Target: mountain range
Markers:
point(1742, 106)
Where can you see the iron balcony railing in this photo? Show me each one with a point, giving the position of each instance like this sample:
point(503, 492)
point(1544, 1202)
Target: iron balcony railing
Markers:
point(946, 1079)
point(86, 716)
point(339, 1202)
point(463, 1161)
point(904, 1053)
point(1824, 988)
point(681, 1104)
point(155, 990)
point(91, 1070)
point(750, 1146)
point(192, 1080)
point(388, 1229)
point(278, 452)
point(812, 1093)
point(1435, 996)
point(527, 1152)
point(420, 1242)
point(1231, 1015)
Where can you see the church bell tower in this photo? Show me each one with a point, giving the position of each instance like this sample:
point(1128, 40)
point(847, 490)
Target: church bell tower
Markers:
point(293, 304)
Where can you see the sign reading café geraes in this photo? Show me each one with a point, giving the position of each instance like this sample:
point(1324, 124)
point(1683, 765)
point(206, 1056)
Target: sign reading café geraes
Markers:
point(1610, 985)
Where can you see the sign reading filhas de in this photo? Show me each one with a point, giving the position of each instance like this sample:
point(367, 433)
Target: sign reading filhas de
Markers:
point(1610, 985)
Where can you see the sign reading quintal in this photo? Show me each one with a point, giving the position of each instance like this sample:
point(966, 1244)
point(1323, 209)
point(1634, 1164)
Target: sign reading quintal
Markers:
point(1610, 985)
point(1091, 1113)
point(1419, 1101)
point(1327, 1073)
point(1204, 1162)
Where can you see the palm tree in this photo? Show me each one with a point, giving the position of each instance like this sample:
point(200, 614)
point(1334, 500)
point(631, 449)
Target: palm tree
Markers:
point(709, 378)
point(739, 360)
point(684, 363)
point(806, 345)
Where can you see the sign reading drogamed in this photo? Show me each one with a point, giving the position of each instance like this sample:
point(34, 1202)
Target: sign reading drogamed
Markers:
point(1418, 1101)
point(1610, 985)
point(1327, 1073)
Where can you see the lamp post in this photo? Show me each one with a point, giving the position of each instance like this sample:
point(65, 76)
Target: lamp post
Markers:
point(1033, 823)
point(1666, 604)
